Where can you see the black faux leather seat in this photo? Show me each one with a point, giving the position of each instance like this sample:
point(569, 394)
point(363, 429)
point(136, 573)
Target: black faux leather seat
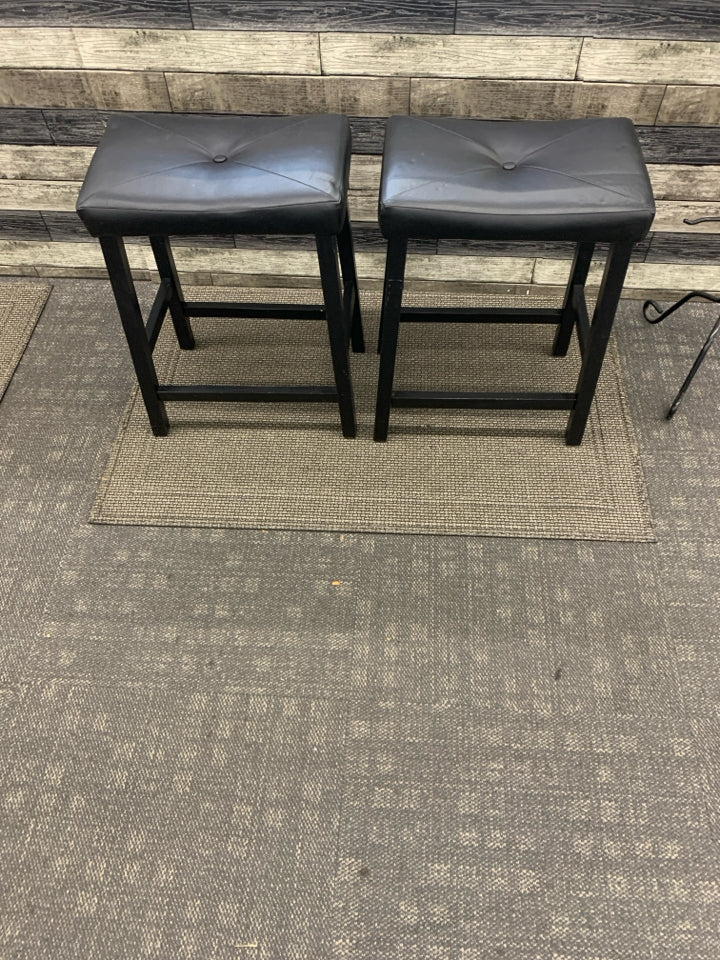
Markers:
point(582, 181)
point(189, 174)
point(160, 175)
point(521, 180)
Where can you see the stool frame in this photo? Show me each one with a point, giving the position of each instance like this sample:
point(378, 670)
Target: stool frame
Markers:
point(341, 311)
point(593, 336)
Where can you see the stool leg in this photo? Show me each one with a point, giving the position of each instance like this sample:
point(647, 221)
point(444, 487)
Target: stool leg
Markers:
point(349, 275)
point(390, 327)
point(166, 268)
point(337, 331)
point(578, 278)
point(594, 353)
point(123, 288)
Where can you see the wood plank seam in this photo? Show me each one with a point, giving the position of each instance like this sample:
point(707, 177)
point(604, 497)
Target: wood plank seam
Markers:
point(579, 55)
point(660, 106)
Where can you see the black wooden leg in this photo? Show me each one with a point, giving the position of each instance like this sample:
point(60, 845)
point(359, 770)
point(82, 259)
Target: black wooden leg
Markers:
point(390, 327)
point(578, 278)
point(350, 284)
point(594, 353)
point(123, 288)
point(332, 293)
point(385, 297)
point(166, 268)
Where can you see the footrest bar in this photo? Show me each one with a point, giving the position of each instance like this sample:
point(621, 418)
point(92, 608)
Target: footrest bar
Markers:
point(478, 315)
point(261, 311)
point(158, 312)
point(255, 394)
point(490, 401)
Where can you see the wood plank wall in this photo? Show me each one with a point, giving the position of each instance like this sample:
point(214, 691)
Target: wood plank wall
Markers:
point(65, 65)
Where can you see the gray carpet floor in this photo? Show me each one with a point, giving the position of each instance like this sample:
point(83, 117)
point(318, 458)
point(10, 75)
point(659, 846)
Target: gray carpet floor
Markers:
point(243, 744)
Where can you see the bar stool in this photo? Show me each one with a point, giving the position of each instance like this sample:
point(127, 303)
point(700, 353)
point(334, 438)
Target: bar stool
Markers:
point(162, 175)
point(583, 181)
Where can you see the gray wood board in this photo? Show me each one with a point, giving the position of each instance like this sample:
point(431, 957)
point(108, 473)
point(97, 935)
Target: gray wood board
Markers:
point(378, 16)
point(23, 225)
point(96, 13)
point(23, 125)
point(671, 19)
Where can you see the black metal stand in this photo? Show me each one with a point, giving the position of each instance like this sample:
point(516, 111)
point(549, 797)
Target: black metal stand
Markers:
point(341, 312)
point(662, 314)
point(592, 336)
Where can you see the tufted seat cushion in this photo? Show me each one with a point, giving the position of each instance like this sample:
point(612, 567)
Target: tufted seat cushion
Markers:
point(514, 180)
point(171, 174)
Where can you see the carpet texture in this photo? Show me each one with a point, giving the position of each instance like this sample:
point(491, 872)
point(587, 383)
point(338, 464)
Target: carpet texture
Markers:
point(228, 744)
point(20, 307)
point(286, 466)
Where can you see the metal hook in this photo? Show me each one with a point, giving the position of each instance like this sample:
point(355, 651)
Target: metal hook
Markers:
point(706, 346)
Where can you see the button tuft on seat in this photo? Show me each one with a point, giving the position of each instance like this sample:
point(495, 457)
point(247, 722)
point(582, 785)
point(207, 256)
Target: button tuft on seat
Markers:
point(151, 175)
point(577, 180)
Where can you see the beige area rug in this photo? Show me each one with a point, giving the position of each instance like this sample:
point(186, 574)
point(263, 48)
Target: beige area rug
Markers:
point(287, 466)
point(21, 304)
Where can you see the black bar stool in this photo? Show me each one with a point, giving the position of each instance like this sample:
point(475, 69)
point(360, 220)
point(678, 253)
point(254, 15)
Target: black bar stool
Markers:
point(577, 180)
point(160, 175)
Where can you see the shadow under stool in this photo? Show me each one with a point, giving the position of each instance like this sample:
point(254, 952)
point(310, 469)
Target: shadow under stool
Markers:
point(582, 181)
point(162, 175)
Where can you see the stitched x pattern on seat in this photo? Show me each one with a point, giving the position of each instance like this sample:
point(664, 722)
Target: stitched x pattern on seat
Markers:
point(536, 180)
point(187, 174)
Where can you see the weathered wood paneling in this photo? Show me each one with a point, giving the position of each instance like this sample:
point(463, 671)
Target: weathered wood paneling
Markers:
point(690, 104)
point(680, 144)
point(534, 99)
point(403, 16)
point(368, 134)
point(642, 275)
point(65, 225)
point(44, 162)
point(38, 47)
point(28, 170)
point(671, 144)
point(204, 51)
point(671, 215)
point(550, 250)
point(650, 61)
point(669, 247)
point(222, 50)
point(281, 263)
point(64, 67)
point(365, 237)
point(97, 13)
point(689, 19)
point(48, 258)
point(600, 18)
point(23, 126)
point(437, 56)
point(87, 126)
point(235, 93)
point(38, 195)
point(76, 126)
point(23, 225)
point(682, 182)
point(105, 89)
